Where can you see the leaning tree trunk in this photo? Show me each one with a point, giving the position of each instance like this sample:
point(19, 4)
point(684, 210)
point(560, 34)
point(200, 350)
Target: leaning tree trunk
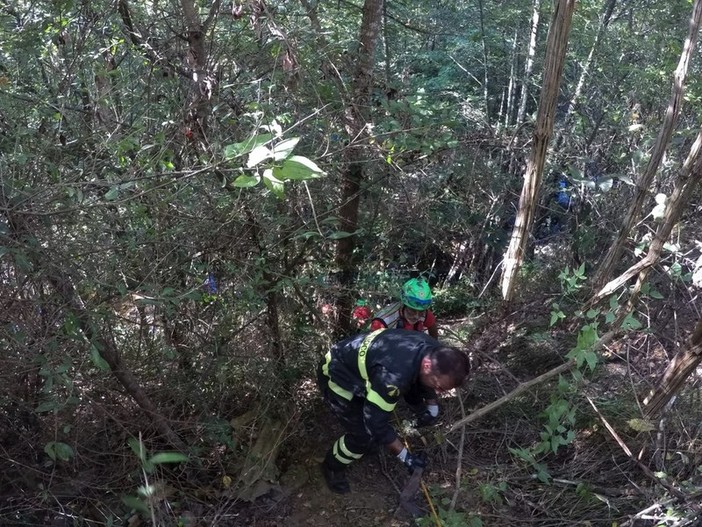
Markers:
point(675, 375)
point(664, 136)
point(356, 118)
point(685, 185)
point(553, 70)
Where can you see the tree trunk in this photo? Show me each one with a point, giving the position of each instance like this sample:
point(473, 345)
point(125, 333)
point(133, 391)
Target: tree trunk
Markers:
point(679, 369)
point(528, 68)
point(486, 100)
point(685, 185)
point(356, 117)
point(555, 54)
point(201, 79)
point(662, 141)
point(512, 85)
point(604, 22)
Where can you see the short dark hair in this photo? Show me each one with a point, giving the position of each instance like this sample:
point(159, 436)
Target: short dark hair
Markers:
point(446, 360)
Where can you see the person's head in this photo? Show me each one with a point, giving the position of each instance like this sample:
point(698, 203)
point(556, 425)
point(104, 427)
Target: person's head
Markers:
point(416, 298)
point(444, 368)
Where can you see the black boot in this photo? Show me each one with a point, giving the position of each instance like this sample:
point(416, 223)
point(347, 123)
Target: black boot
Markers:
point(336, 479)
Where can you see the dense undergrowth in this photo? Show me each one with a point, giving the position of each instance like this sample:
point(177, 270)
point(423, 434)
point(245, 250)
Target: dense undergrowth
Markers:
point(570, 451)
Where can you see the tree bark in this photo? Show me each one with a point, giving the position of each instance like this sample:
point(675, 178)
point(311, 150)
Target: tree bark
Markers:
point(604, 23)
point(202, 80)
point(662, 141)
point(486, 100)
point(356, 117)
point(555, 54)
point(685, 185)
point(675, 375)
point(529, 66)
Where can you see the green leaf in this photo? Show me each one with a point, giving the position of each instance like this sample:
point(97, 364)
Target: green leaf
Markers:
point(168, 457)
point(239, 149)
point(258, 154)
point(656, 294)
point(630, 322)
point(112, 194)
point(283, 149)
point(136, 504)
point(338, 235)
point(137, 447)
point(246, 181)
point(592, 313)
point(591, 358)
point(580, 272)
point(640, 425)
point(297, 168)
point(273, 184)
point(613, 304)
point(587, 337)
point(97, 359)
point(57, 450)
point(47, 406)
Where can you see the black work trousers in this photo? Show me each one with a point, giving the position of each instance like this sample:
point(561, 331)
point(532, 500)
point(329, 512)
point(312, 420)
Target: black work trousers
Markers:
point(357, 440)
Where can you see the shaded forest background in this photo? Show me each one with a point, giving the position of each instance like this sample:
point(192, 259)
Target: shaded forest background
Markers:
point(193, 195)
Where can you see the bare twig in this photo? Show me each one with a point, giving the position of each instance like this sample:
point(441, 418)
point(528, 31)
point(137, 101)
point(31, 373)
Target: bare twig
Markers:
point(604, 339)
point(647, 471)
point(459, 461)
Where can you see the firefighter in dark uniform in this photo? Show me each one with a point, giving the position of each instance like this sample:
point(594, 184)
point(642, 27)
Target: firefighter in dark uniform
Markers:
point(363, 377)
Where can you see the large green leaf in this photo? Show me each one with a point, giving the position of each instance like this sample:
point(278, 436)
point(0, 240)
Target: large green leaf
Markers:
point(258, 154)
point(168, 457)
point(239, 149)
point(273, 183)
point(57, 450)
point(97, 359)
point(297, 168)
point(283, 149)
point(244, 181)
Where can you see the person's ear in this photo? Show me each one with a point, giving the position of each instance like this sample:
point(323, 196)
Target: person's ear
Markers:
point(426, 365)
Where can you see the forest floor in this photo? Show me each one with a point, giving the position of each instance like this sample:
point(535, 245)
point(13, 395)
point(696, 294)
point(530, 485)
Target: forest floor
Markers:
point(609, 471)
point(591, 481)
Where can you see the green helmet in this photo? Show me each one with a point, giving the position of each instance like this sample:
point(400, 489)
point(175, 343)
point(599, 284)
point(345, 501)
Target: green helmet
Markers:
point(416, 294)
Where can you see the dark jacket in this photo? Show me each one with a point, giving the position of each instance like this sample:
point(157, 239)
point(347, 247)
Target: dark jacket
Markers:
point(388, 369)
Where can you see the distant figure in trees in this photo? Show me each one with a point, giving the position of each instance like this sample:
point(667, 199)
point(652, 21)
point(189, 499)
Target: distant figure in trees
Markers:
point(411, 312)
point(558, 205)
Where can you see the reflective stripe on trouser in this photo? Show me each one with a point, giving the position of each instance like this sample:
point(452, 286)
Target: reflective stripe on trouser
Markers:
point(357, 440)
point(343, 454)
point(347, 449)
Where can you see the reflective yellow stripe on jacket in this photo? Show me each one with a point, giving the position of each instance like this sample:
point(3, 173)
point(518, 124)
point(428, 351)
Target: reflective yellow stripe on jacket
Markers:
point(338, 390)
point(371, 394)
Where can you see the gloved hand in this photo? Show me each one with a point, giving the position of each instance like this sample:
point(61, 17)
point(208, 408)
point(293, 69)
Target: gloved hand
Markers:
point(415, 461)
point(426, 419)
